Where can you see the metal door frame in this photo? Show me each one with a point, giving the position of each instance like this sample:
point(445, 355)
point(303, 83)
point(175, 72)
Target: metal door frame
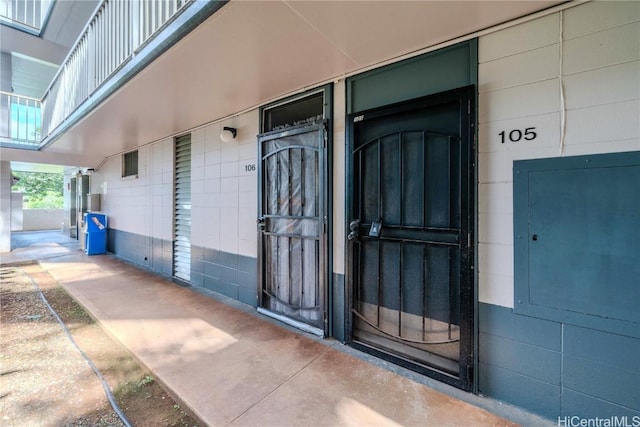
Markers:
point(73, 207)
point(83, 187)
point(468, 299)
point(323, 261)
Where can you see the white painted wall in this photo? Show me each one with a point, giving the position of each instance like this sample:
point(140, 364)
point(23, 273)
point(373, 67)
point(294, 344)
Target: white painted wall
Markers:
point(592, 51)
point(224, 187)
point(17, 217)
point(66, 204)
point(42, 219)
point(139, 204)
point(339, 170)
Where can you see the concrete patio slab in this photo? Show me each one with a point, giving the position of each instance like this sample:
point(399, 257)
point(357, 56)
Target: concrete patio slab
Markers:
point(229, 365)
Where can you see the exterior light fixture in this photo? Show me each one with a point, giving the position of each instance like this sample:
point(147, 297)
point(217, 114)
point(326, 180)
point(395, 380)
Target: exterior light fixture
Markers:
point(228, 134)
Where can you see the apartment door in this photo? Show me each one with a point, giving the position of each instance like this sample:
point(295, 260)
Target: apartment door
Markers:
point(292, 224)
point(79, 187)
point(411, 233)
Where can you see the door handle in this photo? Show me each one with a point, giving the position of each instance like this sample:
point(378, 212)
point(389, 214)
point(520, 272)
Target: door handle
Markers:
point(260, 223)
point(354, 226)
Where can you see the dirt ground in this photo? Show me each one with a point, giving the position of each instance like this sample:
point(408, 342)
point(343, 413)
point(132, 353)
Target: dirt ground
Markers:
point(44, 380)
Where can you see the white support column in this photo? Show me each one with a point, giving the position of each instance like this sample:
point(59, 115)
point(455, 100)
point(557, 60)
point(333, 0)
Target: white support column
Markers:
point(5, 206)
point(5, 86)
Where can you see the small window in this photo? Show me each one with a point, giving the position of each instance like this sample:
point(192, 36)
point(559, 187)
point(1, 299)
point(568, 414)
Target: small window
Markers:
point(297, 110)
point(130, 163)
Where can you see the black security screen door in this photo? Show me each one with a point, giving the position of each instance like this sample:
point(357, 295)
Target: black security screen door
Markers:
point(411, 234)
point(292, 224)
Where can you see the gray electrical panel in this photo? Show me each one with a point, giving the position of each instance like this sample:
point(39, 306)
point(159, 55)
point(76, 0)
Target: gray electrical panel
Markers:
point(93, 202)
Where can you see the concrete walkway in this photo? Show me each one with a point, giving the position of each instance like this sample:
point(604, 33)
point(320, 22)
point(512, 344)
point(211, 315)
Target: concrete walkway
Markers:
point(230, 366)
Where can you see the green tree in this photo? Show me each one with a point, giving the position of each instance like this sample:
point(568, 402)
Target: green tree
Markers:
point(41, 190)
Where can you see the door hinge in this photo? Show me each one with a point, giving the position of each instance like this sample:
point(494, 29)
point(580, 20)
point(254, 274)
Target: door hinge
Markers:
point(469, 106)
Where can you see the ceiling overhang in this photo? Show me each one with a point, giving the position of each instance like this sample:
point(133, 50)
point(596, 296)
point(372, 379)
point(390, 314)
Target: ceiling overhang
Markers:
point(249, 53)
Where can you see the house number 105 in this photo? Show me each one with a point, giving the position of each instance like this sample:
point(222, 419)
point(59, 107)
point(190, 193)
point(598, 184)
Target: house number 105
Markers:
point(518, 135)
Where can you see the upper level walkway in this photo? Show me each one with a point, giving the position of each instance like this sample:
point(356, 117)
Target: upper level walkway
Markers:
point(232, 366)
point(119, 40)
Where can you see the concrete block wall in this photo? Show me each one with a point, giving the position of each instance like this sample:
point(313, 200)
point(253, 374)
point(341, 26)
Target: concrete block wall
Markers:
point(573, 76)
point(42, 219)
point(224, 197)
point(223, 208)
point(520, 86)
point(224, 187)
point(17, 216)
point(139, 204)
point(139, 208)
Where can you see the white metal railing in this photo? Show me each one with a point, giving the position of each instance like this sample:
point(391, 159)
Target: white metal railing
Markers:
point(29, 13)
point(117, 29)
point(20, 119)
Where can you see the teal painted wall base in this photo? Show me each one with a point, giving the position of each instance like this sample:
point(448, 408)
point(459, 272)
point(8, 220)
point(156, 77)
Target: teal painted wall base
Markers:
point(338, 304)
point(555, 369)
point(232, 275)
point(148, 252)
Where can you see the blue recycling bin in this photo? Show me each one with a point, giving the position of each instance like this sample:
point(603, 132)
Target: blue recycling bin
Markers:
point(96, 233)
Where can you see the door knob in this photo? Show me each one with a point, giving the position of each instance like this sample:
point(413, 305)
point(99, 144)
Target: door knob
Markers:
point(354, 226)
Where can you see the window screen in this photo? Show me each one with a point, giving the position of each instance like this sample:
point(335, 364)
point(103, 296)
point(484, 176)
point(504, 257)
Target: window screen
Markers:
point(294, 112)
point(130, 163)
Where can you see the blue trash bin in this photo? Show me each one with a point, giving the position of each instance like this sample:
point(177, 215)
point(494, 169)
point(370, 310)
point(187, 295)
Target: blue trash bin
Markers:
point(96, 234)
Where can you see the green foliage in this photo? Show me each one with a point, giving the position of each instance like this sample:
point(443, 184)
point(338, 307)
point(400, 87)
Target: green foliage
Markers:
point(148, 379)
point(41, 190)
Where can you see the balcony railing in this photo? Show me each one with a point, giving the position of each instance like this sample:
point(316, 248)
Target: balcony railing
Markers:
point(25, 14)
point(117, 29)
point(20, 120)
point(115, 33)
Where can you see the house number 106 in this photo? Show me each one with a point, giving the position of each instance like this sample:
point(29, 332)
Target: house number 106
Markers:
point(517, 135)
